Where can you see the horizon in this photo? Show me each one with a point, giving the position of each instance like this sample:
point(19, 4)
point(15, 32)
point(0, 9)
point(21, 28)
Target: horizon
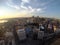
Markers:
point(27, 17)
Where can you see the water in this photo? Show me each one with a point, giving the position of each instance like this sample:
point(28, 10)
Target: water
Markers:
point(2, 21)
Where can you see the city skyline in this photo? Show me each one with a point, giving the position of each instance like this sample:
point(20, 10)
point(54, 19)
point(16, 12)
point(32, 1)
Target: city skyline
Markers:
point(27, 8)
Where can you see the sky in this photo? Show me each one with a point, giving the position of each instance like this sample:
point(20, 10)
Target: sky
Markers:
point(27, 8)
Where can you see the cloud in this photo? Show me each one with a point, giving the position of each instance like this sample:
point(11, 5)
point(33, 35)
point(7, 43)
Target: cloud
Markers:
point(24, 7)
point(43, 4)
point(25, 1)
point(39, 9)
point(13, 6)
point(29, 9)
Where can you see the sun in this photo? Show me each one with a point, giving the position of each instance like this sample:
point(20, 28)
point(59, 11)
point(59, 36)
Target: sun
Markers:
point(2, 12)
